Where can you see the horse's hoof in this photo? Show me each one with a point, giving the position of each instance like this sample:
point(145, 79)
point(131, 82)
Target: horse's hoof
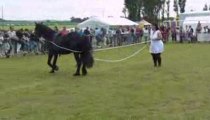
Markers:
point(56, 68)
point(52, 71)
point(7, 56)
point(76, 74)
point(84, 74)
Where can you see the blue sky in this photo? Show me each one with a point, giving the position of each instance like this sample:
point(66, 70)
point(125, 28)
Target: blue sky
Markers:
point(64, 9)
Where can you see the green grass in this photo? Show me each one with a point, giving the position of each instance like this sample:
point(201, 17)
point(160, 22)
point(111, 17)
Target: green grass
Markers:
point(129, 90)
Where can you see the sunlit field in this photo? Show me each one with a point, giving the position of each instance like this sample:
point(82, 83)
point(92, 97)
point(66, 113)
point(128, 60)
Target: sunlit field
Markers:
point(127, 90)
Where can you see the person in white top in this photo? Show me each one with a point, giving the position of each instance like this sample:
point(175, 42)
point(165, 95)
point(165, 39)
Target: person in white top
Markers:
point(156, 46)
point(146, 33)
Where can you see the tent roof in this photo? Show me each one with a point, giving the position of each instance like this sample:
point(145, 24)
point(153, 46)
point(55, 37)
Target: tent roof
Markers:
point(106, 21)
point(144, 22)
point(193, 20)
point(196, 13)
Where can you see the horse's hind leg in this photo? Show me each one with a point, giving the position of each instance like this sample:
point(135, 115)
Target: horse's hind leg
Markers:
point(78, 60)
point(84, 70)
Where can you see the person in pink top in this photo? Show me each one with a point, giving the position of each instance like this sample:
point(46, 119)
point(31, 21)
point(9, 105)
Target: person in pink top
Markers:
point(64, 32)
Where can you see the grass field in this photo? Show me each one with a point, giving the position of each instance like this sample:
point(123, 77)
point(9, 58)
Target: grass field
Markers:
point(128, 90)
point(31, 24)
point(31, 27)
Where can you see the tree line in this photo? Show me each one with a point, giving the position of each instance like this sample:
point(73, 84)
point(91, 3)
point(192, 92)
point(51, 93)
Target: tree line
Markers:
point(152, 10)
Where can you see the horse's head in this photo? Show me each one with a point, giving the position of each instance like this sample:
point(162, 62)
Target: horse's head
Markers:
point(38, 30)
point(44, 31)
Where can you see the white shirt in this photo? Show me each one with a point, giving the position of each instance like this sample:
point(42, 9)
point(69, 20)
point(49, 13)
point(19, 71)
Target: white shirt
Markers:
point(12, 34)
point(156, 45)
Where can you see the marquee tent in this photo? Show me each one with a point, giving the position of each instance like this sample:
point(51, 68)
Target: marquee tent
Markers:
point(105, 22)
point(193, 18)
point(144, 23)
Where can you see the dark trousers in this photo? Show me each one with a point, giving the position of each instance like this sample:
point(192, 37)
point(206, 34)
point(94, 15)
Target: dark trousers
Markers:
point(157, 59)
point(174, 37)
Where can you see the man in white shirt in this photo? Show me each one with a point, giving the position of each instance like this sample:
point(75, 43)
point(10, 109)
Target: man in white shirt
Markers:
point(146, 33)
point(1, 44)
point(13, 38)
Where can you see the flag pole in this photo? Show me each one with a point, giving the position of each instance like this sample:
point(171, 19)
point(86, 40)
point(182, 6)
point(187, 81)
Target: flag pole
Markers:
point(2, 16)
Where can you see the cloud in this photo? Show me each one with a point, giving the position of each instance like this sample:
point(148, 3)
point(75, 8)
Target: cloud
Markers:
point(59, 9)
point(65, 9)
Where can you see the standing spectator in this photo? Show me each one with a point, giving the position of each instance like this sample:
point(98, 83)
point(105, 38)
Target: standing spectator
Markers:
point(138, 34)
point(87, 31)
point(208, 29)
point(191, 32)
point(173, 35)
point(173, 31)
point(56, 29)
point(98, 35)
point(88, 34)
point(6, 45)
point(198, 28)
point(181, 34)
point(119, 36)
point(186, 33)
point(167, 33)
point(146, 33)
point(20, 42)
point(13, 40)
point(64, 31)
point(34, 43)
point(103, 36)
point(1, 44)
point(156, 46)
point(132, 36)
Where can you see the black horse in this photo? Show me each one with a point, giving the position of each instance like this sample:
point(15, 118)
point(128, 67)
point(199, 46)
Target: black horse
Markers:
point(71, 43)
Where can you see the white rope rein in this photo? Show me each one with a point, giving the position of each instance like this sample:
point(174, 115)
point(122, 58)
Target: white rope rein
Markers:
point(75, 51)
point(123, 59)
point(111, 48)
point(105, 60)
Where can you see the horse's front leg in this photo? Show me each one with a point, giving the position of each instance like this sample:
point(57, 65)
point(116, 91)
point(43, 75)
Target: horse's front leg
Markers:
point(78, 60)
point(55, 67)
point(50, 56)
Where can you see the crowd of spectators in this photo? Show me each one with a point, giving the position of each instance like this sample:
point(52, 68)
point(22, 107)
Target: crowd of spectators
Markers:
point(24, 41)
point(115, 36)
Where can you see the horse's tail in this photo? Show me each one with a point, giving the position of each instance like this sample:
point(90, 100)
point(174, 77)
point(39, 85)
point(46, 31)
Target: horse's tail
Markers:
point(88, 59)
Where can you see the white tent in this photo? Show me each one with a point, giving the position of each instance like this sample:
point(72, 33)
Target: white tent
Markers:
point(193, 18)
point(193, 21)
point(105, 22)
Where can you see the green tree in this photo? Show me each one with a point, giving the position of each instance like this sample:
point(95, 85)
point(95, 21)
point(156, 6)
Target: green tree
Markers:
point(124, 12)
point(175, 6)
point(163, 9)
point(133, 9)
point(148, 9)
point(182, 4)
point(152, 9)
point(168, 9)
